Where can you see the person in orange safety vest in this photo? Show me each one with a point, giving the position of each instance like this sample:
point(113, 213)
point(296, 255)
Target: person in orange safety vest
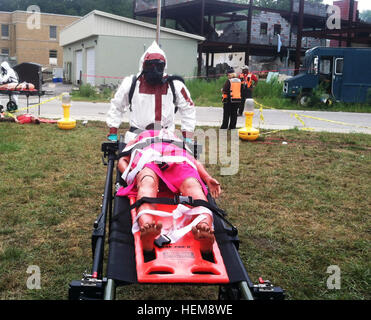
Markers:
point(231, 100)
point(248, 82)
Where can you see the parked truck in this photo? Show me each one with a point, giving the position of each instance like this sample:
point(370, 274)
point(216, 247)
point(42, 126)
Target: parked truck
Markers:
point(344, 73)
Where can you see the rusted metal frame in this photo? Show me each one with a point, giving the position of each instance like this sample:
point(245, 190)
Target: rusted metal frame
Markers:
point(248, 36)
point(325, 32)
point(163, 14)
point(202, 17)
point(350, 22)
point(291, 20)
point(200, 47)
point(299, 36)
point(134, 5)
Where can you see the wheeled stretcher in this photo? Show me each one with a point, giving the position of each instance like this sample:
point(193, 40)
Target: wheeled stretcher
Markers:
point(11, 106)
point(30, 85)
point(172, 263)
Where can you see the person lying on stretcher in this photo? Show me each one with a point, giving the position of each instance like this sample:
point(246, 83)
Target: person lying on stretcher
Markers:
point(17, 86)
point(181, 173)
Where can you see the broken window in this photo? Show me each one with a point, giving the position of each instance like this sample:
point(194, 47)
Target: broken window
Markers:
point(53, 57)
point(325, 66)
point(53, 54)
point(263, 28)
point(277, 29)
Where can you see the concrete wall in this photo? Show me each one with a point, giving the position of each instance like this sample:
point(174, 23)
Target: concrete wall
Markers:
point(271, 19)
point(70, 55)
point(318, 9)
point(124, 55)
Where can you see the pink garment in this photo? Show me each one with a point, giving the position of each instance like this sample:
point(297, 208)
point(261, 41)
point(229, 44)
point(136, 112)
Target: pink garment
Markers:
point(172, 174)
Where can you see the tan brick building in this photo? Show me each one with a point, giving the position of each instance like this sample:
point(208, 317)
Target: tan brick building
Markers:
point(33, 37)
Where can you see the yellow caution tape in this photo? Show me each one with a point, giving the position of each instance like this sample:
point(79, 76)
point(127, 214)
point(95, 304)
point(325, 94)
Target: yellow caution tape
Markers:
point(9, 114)
point(297, 116)
point(34, 105)
point(305, 128)
point(261, 118)
point(41, 103)
point(336, 122)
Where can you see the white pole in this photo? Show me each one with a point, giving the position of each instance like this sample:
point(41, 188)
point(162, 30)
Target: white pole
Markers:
point(158, 21)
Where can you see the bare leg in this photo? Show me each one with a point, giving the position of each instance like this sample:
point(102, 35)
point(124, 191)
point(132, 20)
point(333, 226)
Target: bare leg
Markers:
point(203, 231)
point(147, 185)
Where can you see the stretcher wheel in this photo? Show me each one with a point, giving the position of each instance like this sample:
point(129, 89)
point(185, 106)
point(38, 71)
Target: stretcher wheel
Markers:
point(11, 106)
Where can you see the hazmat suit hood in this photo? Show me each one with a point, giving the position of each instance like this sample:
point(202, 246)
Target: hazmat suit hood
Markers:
point(7, 74)
point(5, 67)
point(152, 65)
point(153, 52)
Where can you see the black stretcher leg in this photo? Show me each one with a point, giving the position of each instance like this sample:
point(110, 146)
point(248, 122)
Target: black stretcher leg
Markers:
point(93, 285)
point(110, 290)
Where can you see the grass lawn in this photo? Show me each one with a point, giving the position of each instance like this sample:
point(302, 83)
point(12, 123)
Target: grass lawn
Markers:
point(300, 207)
point(206, 93)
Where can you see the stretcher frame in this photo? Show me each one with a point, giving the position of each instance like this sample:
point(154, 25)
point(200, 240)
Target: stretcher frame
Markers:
point(97, 285)
point(27, 93)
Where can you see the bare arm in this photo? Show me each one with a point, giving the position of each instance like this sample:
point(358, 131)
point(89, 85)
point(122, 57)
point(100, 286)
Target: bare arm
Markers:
point(213, 184)
point(124, 161)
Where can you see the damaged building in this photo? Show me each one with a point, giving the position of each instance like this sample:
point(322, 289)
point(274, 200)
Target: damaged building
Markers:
point(239, 32)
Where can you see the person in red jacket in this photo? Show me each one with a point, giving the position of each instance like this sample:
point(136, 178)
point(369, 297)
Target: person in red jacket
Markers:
point(248, 82)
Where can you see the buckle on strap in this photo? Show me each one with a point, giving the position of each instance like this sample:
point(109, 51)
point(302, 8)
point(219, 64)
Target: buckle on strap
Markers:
point(183, 199)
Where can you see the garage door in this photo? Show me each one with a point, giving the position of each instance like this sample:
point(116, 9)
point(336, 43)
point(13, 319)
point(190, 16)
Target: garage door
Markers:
point(78, 65)
point(90, 66)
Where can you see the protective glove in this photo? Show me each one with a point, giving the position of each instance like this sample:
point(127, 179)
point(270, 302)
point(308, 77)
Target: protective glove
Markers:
point(112, 136)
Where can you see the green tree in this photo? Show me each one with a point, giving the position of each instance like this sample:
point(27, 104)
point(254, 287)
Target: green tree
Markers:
point(71, 7)
point(365, 15)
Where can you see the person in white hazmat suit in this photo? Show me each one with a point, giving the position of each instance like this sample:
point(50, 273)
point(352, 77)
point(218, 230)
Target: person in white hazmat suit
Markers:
point(152, 98)
point(8, 75)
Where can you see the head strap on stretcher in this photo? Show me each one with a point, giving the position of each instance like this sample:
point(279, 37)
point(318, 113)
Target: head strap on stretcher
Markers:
point(187, 200)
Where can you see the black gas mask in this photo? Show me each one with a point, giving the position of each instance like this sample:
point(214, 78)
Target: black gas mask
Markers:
point(153, 71)
point(3, 70)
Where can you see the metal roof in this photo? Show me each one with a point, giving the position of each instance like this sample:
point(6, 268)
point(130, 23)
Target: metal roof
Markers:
point(87, 26)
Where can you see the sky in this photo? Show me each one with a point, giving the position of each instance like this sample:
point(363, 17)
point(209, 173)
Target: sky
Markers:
point(362, 4)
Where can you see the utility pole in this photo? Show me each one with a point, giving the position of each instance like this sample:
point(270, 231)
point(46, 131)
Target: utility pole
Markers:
point(158, 21)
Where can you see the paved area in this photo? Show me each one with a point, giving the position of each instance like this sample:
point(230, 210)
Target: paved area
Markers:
point(209, 116)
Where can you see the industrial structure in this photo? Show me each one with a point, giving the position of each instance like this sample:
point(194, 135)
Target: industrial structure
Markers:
point(235, 26)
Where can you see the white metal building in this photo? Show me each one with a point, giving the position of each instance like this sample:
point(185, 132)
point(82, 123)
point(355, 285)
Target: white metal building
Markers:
point(102, 48)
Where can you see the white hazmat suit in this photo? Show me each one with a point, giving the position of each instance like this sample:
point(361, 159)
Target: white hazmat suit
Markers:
point(8, 75)
point(152, 103)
